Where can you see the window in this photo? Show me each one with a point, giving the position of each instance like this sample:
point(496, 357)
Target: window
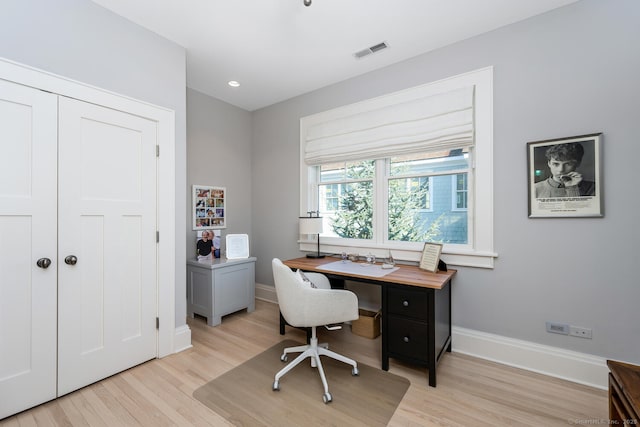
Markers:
point(413, 179)
point(417, 200)
point(345, 194)
point(428, 215)
point(330, 194)
point(415, 189)
point(396, 171)
point(459, 192)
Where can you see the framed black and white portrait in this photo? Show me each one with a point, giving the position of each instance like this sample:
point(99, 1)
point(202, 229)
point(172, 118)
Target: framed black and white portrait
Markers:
point(565, 177)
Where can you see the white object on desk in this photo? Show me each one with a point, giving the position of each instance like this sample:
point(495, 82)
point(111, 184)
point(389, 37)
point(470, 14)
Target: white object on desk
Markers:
point(373, 270)
point(237, 246)
point(219, 287)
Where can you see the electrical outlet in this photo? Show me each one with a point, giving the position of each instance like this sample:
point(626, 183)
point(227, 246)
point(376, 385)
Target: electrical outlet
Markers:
point(577, 331)
point(558, 328)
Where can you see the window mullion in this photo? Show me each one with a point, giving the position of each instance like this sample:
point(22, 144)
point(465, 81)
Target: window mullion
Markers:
point(471, 199)
point(313, 194)
point(381, 202)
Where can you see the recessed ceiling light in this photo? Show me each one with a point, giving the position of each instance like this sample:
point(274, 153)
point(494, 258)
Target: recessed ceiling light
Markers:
point(233, 83)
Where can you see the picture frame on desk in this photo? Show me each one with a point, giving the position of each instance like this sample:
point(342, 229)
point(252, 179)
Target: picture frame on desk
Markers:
point(237, 246)
point(431, 256)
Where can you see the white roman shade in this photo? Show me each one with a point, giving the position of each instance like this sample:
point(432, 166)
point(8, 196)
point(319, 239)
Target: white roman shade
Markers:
point(438, 122)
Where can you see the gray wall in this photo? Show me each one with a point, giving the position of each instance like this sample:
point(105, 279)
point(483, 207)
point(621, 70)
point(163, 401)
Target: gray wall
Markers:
point(83, 41)
point(219, 154)
point(568, 72)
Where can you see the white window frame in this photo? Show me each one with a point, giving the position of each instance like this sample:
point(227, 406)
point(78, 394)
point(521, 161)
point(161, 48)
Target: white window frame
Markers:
point(480, 251)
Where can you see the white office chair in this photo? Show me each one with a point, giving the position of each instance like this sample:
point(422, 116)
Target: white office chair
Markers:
point(304, 306)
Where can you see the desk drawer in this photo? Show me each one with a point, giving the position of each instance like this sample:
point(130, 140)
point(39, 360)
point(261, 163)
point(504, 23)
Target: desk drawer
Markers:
point(408, 338)
point(408, 302)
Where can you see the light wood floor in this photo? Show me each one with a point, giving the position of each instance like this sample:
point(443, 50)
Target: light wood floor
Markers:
point(470, 391)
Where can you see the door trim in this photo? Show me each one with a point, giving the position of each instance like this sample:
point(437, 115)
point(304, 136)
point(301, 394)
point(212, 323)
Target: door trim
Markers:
point(165, 118)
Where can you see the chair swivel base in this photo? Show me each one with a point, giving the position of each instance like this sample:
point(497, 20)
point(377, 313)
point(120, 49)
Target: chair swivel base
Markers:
point(313, 351)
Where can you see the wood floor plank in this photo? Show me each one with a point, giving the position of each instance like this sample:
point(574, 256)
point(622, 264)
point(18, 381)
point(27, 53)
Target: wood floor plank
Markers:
point(470, 391)
point(75, 416)
point(26, 419)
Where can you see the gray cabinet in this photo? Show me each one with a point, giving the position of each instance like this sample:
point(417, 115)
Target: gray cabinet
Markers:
point(219, 287)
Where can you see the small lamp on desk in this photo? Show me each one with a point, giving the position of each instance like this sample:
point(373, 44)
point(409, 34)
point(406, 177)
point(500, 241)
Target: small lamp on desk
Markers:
point(312, 225)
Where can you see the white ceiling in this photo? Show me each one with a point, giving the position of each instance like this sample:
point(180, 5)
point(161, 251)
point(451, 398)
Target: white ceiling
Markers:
point(278, 49)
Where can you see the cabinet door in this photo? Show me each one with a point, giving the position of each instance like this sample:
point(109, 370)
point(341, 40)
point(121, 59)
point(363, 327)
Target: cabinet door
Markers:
point(234, 288)
point(28, 127)
point(107, 222)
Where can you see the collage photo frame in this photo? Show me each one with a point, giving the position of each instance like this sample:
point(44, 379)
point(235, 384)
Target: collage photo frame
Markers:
point(209, 207)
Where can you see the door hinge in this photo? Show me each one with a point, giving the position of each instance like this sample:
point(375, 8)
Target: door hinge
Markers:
point(157, 323)
point(157, 237)
point(157, 151)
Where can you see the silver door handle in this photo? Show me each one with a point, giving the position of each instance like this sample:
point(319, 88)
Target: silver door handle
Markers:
point(71, 260)
point(43, 262)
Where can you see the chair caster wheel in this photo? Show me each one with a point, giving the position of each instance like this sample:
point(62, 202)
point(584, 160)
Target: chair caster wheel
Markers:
point(276, 386)
point(284, 358)
point(326, 398)
point(355, 372)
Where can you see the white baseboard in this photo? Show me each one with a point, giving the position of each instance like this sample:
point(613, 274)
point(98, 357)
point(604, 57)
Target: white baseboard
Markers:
point(266, 293)
point(556, 362)
point(182, 339)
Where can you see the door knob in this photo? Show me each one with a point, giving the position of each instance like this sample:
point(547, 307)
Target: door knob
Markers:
point(43, 262)
point(71, 260)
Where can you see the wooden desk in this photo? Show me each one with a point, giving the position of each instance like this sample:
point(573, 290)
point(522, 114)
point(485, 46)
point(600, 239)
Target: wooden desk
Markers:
point(624, 393)
point(416, 311)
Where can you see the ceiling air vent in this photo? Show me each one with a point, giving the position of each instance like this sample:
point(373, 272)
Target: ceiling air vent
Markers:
point(373, 49)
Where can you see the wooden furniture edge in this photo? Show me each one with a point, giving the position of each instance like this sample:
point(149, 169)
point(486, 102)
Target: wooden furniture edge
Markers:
point(409, 275)
point(625, 385)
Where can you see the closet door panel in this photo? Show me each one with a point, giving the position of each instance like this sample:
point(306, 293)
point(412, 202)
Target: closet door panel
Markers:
point(28, 295)
point(107, 196)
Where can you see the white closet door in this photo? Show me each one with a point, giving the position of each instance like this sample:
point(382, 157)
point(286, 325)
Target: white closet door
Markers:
point(107, 222)
point(28, 126)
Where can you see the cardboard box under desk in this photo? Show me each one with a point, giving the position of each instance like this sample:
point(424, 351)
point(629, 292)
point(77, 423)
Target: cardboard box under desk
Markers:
point(367, 325)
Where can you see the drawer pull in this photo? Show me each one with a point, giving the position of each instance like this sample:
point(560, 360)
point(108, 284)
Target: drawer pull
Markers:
point(406, 339)
point(405, 303)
